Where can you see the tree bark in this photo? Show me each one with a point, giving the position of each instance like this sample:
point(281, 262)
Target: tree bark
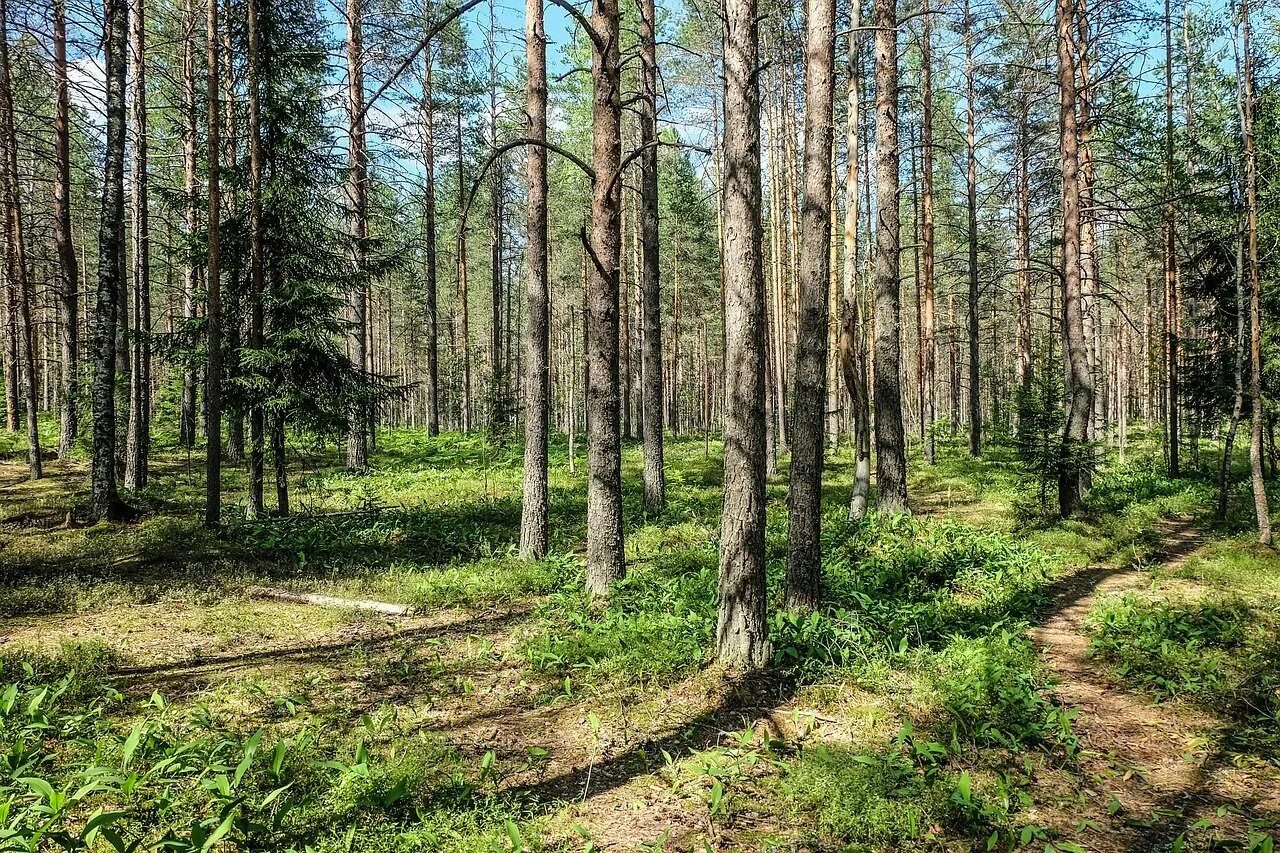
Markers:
point(1079, 380)
point(804, 497)
point(605, 559)
point(928, 307)
point(891, 460)
point(358, 230)
point(190, 276)
point(852, 362)
point(655, 480)
point(213, 286)
point(68, 275)
point(105, 501)
point(1171, 319)
point(971, 237)
point(139, 434)
point(429, 243)
point(15, 253)
point(535, 506)
point(742, 640)
point(1261, 508)
point(255, 505)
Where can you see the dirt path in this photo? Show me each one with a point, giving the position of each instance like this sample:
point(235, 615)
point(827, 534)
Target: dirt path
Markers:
point(1151, 770)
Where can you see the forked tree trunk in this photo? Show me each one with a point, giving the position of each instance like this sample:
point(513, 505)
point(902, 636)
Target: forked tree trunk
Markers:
point(891, 459)
point(804, 498)
point(534, 514)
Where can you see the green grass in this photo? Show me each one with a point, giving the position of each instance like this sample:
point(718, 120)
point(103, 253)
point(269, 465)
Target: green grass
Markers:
point(920, 649)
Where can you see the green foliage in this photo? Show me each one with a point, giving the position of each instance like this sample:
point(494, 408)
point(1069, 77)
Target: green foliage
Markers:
point(991, 692)
point(70, 776)
point(657, 623)
point(1220, 653)
point(880, 799)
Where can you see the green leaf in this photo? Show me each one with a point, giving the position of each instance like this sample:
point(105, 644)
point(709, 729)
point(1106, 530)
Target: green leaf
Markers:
point(223, 829)
point(131, 743)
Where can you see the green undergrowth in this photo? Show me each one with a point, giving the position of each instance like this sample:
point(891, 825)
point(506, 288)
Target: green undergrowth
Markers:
point(1217, 652)
point(84, 768)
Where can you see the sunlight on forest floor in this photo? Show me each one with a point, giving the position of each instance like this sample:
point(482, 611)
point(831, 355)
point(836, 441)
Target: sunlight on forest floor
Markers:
point(506, 712)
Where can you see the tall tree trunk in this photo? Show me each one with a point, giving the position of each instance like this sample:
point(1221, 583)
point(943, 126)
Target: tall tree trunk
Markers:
point(106, 504)
point(1079, 380)
point(742, 639)
point(213, 286)
point(928, 309)
point(852, 360)
point(534, 517)
point(139, 435)
point(1237, 403)
point(605, 560)
point(464, 296)
point(804, 497)
point(68, 275)
point(655, 481)
point(650, 287)
point(971, 236)
point(358, 229)
point(1171, 318)
point(1261, 508)
point(891, 458)
point(190, 274)
point(429, 242)
point(15, 252)
point(255, 505)
point(1022, 248)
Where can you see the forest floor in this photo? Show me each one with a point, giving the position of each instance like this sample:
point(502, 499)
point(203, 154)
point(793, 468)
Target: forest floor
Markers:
point(984, 677)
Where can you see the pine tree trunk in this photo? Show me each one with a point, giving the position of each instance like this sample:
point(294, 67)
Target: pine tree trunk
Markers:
point(213, 286)
point(358, 231)
point(971, 237)
point(742, 640)
point(804, 497)
point(851, 334)
point(1079, 380)
point(110, 264)
point(255, 505)
point(68, 275)
point(605, 560)
point(1171, 318)
point(431, 307)
point(138, 438)
point(928, 309)
point(535, 508)
point(1261, 509)
point(15, 254)
point(190, 277)
point(655, 481)
point(891, 461)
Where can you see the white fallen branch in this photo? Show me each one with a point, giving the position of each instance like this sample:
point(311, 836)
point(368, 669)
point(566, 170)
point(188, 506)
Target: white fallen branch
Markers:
point(329, 600)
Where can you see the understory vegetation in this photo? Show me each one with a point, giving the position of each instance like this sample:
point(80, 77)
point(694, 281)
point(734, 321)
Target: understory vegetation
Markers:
point(150, 701)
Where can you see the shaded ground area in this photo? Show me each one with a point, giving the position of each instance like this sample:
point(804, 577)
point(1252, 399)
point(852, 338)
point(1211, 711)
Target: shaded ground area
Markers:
point(858, 752)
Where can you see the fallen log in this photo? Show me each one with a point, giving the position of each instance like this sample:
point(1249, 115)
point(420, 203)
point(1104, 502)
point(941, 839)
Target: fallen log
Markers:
point(329, 600)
